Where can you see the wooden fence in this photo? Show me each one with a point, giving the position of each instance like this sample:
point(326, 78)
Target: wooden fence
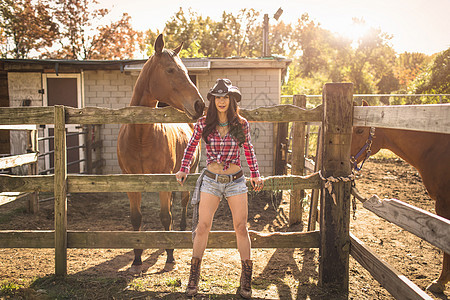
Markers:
point(29, 159)
point(337, 99)
point(92, 144)
point(333, 240)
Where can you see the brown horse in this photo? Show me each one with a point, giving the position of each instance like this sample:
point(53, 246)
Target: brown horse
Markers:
point(158, 148)
point(429, 153)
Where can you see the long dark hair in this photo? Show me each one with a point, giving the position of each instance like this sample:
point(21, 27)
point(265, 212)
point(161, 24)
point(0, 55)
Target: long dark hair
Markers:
point(234, 121)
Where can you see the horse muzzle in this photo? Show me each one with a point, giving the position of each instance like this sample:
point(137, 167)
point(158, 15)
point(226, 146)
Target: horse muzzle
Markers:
point(199, 106)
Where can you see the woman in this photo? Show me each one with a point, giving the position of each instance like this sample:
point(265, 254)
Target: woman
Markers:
point(224, 131)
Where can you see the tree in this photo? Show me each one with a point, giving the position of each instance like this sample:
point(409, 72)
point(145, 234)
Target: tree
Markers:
point(25, 26)
point(372, 59)
point(407, 66)
point(308, 37)
point(234, 35)
point(115, 41)
point(76, 18)
point(435, 79)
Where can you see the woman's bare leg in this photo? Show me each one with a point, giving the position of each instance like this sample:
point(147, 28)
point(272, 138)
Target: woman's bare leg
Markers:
point(239, 209)
point(207, 208)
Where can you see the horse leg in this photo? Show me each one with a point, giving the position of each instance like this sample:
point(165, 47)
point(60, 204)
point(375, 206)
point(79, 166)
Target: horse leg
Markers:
point(438, 285)
point(165, 214)
point(136, 222)
point(184, 203)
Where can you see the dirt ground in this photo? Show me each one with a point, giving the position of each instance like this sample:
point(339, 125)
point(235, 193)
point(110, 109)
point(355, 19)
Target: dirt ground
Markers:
point(278, 273)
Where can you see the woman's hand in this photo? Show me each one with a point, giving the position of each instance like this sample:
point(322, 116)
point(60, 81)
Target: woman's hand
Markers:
point(257, 183)
point(181, 177)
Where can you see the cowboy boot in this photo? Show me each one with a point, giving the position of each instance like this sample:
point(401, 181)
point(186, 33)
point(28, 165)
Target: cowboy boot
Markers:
point(246, 279)
point(192, 287)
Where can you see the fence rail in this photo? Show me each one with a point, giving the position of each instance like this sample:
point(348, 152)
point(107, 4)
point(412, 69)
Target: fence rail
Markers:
point(154, 239)
point(147, 115)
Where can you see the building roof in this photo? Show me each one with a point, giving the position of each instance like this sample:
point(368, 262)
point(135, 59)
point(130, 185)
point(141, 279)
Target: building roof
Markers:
point(194, 65)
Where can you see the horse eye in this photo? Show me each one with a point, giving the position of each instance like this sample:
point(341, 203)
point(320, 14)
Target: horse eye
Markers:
point(170, 70)
point(359, 131)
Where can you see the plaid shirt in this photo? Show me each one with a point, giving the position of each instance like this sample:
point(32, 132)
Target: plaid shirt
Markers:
point(221, 150)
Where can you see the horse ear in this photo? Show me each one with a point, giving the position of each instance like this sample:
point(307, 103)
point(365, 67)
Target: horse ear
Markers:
point(178, 49)
point(159, 44)
point(364, 103)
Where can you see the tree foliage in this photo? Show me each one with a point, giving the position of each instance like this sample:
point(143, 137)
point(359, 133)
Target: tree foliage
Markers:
point(25, 25)
point(63, 29)
point(115, 41)
point(75, 29)
point(435, 79)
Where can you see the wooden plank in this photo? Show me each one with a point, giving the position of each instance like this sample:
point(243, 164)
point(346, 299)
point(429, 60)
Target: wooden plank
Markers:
point(60, 191)
point(14, 183)
point(393, 281)
point(283, 113)
point(96, 115)
point(280, 141)
point(153, 239)
point(7, 197)
point(430, 117)
point(138, 183)
point(18, 127)
point(430, 227)
point(167, 182)
point(335, 206)
point(88, 139)
point(183, 239)
point(140, 115)
point(297, 164)
point(17, 160)
point(26, 115)
point(313, 212)
point(33, 147)
point(27, 239)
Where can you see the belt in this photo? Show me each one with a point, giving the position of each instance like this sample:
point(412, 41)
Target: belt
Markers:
point(223, 178)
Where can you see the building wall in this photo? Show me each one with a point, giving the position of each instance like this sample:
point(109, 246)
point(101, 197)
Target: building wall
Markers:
point(109, 89)
point(259, 87)
point(113, 89)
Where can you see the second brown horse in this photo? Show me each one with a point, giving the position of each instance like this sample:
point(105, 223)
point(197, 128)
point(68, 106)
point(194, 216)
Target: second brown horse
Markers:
point(429, 153)
point(158, 148)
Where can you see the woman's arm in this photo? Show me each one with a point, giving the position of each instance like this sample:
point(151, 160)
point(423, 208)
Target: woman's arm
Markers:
point(255, 179)
point(189, 153)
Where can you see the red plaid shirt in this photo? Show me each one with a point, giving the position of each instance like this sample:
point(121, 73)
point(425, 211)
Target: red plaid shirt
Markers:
point(221, 150)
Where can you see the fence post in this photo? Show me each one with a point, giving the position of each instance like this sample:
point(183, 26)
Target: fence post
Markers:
point(60, 192)
point(88, 140)
point(335, 207)
point(33, 198)
point(298, 163)
point(315, 192)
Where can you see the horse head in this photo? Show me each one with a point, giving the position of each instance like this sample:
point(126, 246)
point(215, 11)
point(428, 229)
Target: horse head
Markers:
point(165, 78)
point(364, 143)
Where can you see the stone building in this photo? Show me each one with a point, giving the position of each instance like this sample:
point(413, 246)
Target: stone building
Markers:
point(110, 84)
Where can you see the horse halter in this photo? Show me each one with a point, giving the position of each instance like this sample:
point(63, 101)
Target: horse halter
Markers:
point(366, 149)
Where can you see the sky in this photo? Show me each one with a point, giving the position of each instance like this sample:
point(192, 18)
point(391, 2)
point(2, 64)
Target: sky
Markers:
point(416, 25)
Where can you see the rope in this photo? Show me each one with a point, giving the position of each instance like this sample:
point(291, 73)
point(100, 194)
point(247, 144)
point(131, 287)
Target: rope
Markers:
point(330, 180)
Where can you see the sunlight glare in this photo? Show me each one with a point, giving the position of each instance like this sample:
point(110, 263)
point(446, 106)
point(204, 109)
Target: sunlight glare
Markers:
point(356, 30)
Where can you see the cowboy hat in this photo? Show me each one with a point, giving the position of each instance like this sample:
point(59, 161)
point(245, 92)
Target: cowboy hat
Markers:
point(224, 87)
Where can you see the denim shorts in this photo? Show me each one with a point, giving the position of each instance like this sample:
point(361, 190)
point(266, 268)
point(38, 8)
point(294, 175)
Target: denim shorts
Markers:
point(226, 190)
